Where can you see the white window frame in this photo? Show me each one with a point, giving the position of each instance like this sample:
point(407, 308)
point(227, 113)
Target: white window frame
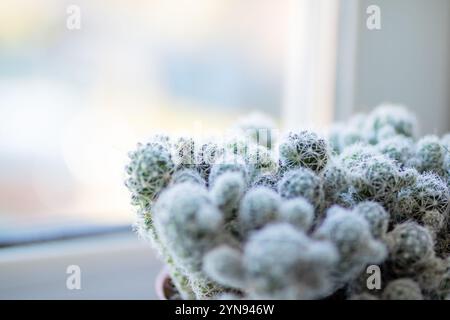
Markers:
point(322, 42)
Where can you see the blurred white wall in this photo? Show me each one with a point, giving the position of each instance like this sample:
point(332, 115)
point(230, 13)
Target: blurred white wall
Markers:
point(407, 61)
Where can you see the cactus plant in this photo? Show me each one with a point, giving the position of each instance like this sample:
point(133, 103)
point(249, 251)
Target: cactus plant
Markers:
point(253, 218)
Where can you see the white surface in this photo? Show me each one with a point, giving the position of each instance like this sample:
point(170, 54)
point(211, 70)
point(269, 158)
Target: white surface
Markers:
point(117, 266)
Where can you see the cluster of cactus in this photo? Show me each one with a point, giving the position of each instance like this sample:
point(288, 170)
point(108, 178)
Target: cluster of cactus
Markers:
point(304, 217)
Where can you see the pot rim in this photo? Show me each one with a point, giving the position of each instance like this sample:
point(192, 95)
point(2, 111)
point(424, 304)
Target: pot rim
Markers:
point(161, 280)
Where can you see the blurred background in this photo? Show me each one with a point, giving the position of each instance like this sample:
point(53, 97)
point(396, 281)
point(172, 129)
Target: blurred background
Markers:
point(74, 101)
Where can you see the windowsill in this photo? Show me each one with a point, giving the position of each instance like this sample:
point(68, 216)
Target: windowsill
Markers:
point(38, 231)
point(114, 266)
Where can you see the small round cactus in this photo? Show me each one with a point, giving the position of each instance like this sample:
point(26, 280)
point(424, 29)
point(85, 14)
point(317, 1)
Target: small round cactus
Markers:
point(356, 155)
point(302, 183)
point(348, 199)
point(298, 212)
point(227, 193)
point(404, 206)
point(207, 154)
point(269, 180)
point(304, 149)
point(336, 183)
point(391, 117)
point(260, 160)
point(258, 207)
point(188, 225)
point(376, 178)
point(302, 265)
point(224, 264)
point(187, 175)
point(397, 148)
point(375, 215)
point(408, 177)
point(184, 150)
point(402, 289)
point(352, 236)
point(148, 172)
point(430, 275)
point(410, 247)
point(431, 193)
point(228, 163)
point(429, 155)
point(433, 220)
point(385, 133)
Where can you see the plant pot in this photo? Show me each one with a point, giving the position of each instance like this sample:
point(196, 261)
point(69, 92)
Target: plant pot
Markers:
point(164, 287)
